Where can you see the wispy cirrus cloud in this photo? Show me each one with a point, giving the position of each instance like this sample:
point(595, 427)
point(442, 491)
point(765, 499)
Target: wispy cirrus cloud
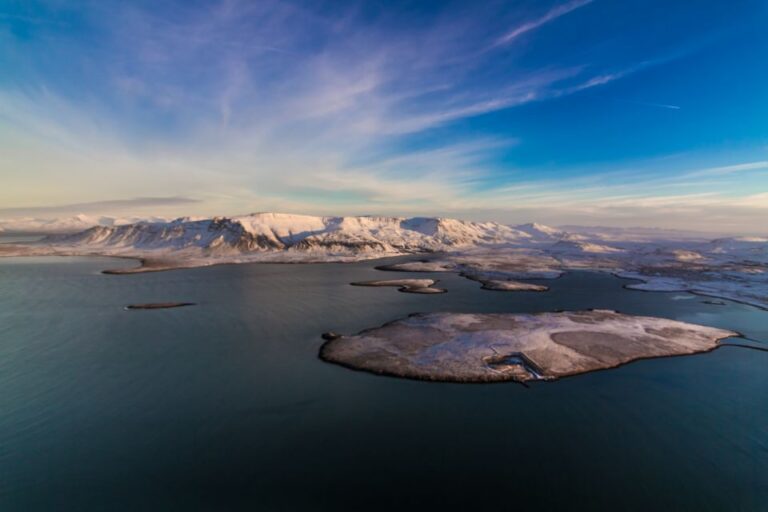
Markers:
point(724, 170)
point(287, 105)
point(551, 15)
point(651, 104)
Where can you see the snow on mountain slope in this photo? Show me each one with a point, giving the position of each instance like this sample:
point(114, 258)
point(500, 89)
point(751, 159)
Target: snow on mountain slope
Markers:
point(218, 234)
point(540, 232)
point(570, 246)
point(276, 232)
point(282, 228)
point(35, 225)
point(66, 224)
point(754, 248)
point(685, 255)
point(636, 234)
point(738, 243)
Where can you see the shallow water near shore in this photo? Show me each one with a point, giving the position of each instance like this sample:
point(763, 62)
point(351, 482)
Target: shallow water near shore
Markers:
point(225, 405)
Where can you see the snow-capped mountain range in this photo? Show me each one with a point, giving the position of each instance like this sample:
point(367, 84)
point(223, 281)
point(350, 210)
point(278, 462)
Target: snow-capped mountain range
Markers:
point(262, 232)
point(358, 237)
point(733, 268)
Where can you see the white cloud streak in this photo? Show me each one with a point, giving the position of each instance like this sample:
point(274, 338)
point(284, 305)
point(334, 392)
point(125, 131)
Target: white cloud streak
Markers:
point(551, 15)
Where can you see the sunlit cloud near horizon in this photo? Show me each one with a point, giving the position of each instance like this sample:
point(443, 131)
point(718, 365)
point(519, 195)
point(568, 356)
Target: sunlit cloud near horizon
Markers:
point(583, 112)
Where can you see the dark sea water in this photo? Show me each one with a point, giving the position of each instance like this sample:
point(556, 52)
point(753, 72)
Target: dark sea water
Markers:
point(225, 405)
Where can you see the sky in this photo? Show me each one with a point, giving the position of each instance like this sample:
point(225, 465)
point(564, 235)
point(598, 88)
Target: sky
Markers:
point(591, 112)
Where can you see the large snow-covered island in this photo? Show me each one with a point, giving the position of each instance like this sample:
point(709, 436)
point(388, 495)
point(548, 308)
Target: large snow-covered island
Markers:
point(496, 255)
point(456, 347)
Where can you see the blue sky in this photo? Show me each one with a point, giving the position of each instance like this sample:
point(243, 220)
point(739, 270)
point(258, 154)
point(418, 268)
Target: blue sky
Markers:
point(565, 112)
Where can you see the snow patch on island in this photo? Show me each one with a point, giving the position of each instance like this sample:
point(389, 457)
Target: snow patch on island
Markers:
point(457, 347)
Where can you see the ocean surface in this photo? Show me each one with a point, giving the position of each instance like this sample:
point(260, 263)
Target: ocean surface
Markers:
point(226, 406)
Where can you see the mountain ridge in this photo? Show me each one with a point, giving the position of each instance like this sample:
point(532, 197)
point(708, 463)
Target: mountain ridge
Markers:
point(268, 231)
